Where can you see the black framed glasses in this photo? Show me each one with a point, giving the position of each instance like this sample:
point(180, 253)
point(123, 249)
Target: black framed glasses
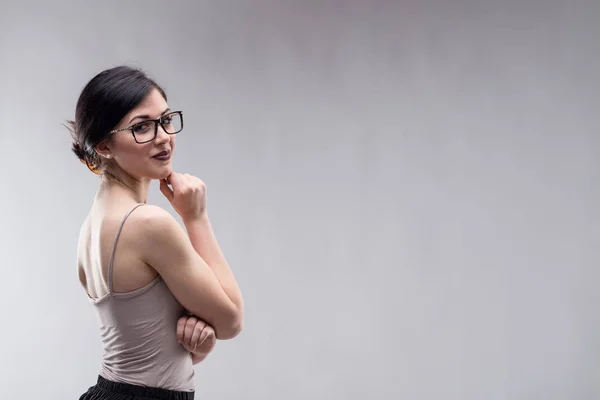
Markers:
point(146, 131)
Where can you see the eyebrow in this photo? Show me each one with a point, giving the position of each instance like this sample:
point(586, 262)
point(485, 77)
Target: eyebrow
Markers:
point(147, 116)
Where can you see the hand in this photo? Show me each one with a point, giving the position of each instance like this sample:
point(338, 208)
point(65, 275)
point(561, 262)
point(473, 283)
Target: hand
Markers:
point(192, 332)
point(187, 195)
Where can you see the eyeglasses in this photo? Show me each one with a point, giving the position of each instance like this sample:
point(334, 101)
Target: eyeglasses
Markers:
point(143, 132)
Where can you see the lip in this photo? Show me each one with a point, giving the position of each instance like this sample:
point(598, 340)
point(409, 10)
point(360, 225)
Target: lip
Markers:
point(163, 155)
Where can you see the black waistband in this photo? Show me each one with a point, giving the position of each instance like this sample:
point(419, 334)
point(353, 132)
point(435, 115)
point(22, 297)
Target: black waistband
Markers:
point(143, 391)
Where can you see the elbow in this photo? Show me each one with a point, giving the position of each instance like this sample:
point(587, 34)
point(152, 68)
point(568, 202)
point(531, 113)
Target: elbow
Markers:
point(232, 328)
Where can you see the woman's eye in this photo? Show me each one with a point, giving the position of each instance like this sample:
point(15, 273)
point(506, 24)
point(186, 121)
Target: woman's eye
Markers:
point(141, 128)
point(167, 120)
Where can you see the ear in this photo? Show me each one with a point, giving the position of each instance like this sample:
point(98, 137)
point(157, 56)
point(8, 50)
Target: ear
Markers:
point(103, 149)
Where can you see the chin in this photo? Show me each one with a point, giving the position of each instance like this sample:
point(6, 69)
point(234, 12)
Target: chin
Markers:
point(161, 173)
point(164, 173)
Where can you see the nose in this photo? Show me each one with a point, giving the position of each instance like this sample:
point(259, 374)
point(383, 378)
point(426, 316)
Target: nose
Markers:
point(161, 135)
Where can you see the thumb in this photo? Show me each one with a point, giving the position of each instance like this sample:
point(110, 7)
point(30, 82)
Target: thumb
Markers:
point(166, 190)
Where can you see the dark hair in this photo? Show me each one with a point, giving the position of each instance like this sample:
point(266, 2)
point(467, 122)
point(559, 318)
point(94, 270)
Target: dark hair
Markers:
point(104, 101)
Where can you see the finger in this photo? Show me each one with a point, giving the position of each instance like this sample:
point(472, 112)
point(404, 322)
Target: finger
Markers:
point(198, 182)
point(185, 184)
point(175, 181)
point(187, 179)
point(206, 334)
point(180, 329)
point(198, 329)
point(166, 190)
point(211, 339)
point(188, 331)
point(194, 179)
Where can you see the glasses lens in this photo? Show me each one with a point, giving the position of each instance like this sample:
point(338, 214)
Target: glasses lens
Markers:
point(144, 131)
point(172, 123)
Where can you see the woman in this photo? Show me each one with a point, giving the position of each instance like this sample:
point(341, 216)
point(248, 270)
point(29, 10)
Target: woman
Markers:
point(162, 296)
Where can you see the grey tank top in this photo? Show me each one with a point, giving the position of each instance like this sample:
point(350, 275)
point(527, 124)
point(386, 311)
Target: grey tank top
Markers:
point(138, 333)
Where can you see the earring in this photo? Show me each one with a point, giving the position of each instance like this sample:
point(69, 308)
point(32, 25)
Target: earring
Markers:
point(107, 156)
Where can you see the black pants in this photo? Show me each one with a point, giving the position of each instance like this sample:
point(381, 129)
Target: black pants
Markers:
point(108, 390)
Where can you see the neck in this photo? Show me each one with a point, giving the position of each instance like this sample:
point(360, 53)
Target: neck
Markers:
point(120, 184)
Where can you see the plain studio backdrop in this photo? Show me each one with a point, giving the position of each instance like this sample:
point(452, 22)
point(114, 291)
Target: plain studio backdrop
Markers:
point(407, 191)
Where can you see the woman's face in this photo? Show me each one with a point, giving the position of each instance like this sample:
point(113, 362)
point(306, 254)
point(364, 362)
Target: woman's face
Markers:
point(139, 159)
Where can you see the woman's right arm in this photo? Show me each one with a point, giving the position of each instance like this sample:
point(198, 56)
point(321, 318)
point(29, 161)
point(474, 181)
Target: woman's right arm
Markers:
point(167, 248)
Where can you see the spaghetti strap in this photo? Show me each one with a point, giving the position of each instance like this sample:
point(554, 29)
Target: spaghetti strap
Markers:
point(112, 251)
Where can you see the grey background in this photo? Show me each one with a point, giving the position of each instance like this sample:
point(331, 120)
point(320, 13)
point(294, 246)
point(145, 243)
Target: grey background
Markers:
point(406, 191)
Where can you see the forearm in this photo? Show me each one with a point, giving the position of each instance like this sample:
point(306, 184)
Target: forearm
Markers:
point(205, 243)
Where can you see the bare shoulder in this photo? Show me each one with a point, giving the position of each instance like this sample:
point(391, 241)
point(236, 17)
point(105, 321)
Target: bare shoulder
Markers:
point(154, 220)
point(157, 231)
point(150, 213)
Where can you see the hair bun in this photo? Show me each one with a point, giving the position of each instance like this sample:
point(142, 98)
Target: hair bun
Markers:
point(79, 150)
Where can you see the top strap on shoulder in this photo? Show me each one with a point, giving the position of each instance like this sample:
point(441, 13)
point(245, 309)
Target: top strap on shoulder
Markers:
point(112, 251)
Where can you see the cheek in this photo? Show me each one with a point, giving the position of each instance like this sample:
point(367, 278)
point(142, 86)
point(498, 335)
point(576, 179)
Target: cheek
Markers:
point(133, 156)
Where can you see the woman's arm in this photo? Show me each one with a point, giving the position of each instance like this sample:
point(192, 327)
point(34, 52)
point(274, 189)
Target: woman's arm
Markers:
point(205, 243)
point(187, 195)
point(168, 249)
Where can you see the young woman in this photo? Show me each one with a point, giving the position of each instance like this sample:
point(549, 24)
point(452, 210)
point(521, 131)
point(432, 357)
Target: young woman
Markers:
point(163, 294)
